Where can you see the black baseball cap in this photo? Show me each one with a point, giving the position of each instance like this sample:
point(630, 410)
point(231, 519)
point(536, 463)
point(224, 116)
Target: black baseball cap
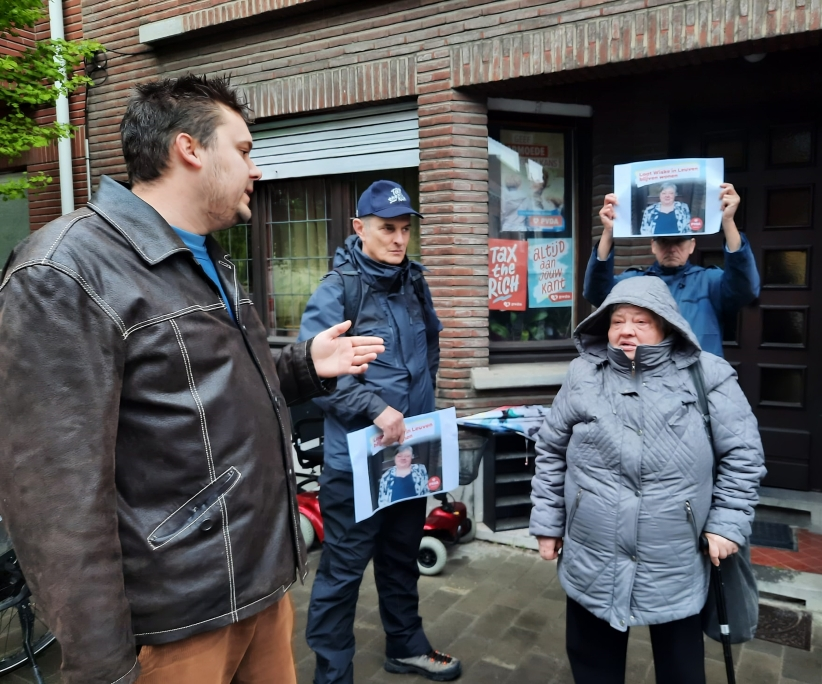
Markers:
point(385, 199)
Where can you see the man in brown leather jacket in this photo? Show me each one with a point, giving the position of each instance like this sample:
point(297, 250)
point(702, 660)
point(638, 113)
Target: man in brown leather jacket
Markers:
point(147, 477)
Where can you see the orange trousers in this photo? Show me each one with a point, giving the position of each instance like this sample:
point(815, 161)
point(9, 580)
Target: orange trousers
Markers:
point(256, 650)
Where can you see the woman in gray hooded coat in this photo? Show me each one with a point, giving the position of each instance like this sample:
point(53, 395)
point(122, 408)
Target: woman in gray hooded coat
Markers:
point(624, 484)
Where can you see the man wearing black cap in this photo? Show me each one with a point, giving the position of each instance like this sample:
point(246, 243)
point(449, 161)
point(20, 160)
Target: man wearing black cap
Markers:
point(705, 296)
point(375, 286)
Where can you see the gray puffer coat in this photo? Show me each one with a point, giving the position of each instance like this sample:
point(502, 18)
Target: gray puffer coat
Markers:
point(624, 468)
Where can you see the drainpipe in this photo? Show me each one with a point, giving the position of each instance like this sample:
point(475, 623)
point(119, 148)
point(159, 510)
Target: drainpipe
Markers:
point(63, 144)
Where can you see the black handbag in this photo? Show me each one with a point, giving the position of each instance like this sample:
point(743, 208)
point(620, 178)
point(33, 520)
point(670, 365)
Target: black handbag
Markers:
point(740, 590)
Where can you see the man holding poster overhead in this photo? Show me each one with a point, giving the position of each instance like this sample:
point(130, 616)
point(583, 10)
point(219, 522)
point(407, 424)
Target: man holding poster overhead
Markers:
point(375, 286)
point(704, 295)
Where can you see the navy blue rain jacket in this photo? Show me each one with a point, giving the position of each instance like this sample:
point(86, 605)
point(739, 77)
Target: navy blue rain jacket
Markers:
point(704, 295)
point(402, 377)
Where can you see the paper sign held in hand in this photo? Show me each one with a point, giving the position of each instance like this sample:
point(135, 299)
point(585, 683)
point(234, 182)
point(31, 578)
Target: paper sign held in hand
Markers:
point(668, 197)
point(427, 462)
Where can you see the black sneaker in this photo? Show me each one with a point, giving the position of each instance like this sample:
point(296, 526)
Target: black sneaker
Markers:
point(436, 666)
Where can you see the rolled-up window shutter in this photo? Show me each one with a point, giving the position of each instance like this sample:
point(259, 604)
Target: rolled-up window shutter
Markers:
point(372, 139)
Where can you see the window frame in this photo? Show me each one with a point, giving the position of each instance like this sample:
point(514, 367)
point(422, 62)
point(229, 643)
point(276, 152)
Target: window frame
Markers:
point(578, 159)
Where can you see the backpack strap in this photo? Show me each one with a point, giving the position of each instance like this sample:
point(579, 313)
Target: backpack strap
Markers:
point(354, 292)
point(432, 333)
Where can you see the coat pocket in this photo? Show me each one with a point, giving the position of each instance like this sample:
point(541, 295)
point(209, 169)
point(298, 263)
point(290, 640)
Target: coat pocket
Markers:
point(689, 511)
point(683, 417)
point(194, 509)
point(572, 513)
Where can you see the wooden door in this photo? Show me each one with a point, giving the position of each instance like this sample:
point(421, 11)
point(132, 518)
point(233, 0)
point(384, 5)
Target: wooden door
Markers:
point(773, 159)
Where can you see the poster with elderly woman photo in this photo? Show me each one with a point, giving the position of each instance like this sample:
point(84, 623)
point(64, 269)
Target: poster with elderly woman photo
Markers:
point(668, 197)
point(425, 462)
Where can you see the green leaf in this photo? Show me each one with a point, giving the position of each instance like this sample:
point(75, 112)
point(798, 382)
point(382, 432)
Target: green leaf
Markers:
point(31, 79)
point(16, 189)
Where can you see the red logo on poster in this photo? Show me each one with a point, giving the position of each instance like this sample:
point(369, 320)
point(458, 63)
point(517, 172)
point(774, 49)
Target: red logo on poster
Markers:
point(434, 483)
point(507, 275)
point(696, 225)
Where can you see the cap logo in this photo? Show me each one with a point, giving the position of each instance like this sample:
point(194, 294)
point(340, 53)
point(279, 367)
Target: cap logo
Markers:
point(396, 196)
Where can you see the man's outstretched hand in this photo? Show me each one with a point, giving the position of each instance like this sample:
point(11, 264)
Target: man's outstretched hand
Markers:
point(334, 355)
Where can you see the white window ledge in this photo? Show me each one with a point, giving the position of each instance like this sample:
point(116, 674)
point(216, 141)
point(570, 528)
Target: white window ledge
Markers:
point(514, 375)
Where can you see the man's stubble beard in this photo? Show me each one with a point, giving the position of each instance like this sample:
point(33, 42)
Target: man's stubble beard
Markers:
point(220, 214)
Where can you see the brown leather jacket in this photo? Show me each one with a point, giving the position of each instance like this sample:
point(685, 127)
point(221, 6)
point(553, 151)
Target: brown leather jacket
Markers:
point(147, 479)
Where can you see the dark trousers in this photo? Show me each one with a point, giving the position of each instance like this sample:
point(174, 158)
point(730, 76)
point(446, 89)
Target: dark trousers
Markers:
point(392, 538)
point(597, 651)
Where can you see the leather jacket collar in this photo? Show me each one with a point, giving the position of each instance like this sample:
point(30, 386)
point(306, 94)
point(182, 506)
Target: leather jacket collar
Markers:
point(147, 231)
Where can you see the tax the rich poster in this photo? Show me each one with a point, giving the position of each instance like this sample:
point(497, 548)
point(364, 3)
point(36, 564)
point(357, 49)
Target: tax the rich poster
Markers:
point(507, 274)
point(550, 273)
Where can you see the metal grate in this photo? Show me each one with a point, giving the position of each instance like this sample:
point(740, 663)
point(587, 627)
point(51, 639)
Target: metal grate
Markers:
point(773, 535)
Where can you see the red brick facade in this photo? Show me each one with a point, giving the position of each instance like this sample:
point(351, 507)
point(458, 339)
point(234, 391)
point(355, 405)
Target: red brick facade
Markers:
point(306, 56)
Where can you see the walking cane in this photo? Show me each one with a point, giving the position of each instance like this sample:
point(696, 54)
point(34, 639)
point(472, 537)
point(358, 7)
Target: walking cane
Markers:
point(722, 613)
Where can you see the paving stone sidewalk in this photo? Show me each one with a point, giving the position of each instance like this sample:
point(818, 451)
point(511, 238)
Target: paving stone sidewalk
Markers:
point(502, 611)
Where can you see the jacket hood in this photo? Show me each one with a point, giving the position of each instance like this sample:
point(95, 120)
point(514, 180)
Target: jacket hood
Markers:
point(382, 275)
point(649, 292)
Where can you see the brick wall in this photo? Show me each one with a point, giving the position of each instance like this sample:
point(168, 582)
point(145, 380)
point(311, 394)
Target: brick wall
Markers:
point(303, 56)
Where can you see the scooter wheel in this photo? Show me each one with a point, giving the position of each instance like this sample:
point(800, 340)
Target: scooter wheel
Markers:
point(469, 534)
point(308, 531)
point(432, 556)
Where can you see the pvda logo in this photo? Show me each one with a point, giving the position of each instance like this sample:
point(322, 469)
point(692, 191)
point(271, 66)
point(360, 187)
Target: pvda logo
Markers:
point(396, 196)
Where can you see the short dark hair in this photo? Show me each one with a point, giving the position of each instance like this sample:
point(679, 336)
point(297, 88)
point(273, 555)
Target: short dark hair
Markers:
point(159, 110)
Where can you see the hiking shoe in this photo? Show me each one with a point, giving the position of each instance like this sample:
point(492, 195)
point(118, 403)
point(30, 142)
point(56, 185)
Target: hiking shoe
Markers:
point(436, 666)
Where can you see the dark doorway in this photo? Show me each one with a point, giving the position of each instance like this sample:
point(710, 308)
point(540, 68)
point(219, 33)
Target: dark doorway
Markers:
point(772, 156)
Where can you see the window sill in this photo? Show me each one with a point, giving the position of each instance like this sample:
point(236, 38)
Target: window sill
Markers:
point(518, 375)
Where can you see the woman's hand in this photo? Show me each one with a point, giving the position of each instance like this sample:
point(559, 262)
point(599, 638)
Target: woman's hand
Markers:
point(335, 355)
point(549, 547)
point(719, 548)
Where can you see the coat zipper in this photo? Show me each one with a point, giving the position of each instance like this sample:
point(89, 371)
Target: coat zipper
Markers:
point(692, 519)
point(573, 512)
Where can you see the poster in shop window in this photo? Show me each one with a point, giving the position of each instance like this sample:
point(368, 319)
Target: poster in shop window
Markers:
point(676, 197)
point(532, 181)
point(507, 275)
point(550, 273)
point(427, 462)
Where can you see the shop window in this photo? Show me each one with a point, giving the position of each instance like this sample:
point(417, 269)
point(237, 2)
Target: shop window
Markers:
point(532, 261)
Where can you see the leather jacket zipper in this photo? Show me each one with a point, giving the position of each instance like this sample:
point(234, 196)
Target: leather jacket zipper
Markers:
point(692, 520)
point(275, 402)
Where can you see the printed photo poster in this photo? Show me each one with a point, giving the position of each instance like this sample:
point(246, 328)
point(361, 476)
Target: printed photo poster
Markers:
point(427, 462)
point(550, 272)
point(533, 181)
point(668, 197)
point(507, 275)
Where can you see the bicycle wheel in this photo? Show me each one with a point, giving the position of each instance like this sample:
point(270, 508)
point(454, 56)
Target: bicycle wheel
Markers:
point(12, 654)
point(12, 588)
